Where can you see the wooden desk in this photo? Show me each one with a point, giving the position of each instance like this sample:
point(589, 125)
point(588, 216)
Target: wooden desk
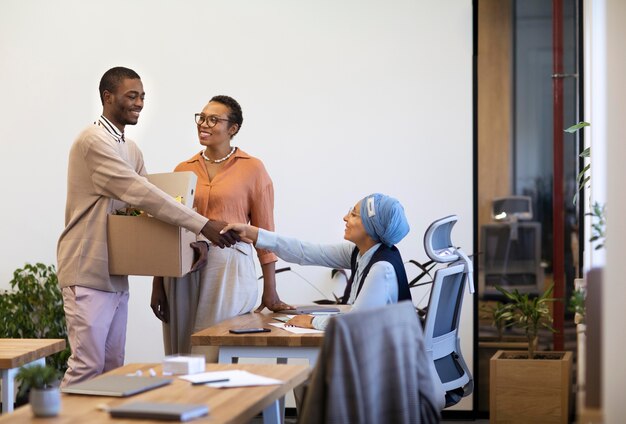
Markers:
point(278, 343)
point(17, 352)
point(232, 405)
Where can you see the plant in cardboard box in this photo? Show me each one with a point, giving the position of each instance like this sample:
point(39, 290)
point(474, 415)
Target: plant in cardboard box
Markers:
point(529, 386)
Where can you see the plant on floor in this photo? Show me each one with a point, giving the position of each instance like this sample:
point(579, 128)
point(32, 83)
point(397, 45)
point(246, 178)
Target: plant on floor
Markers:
point(33, 308)
point(528, 313)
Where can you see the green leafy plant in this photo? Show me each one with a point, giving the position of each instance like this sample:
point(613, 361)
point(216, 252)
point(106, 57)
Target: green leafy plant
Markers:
point(128, 212)
point(577, 305)
point(498, 313)
point(33, 308)
point(528, 313)
point(598, 225)
point(584, 176)
point(598, 221)
point(37, 377)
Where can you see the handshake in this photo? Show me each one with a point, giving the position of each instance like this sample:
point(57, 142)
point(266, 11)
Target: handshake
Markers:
point(225, 235)
point(222, 235)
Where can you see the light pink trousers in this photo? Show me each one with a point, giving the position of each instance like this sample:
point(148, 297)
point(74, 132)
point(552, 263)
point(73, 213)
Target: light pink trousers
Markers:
point(96, 326)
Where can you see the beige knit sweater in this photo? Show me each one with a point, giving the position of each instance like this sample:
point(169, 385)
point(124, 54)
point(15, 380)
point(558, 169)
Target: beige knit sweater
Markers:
point(105, 175)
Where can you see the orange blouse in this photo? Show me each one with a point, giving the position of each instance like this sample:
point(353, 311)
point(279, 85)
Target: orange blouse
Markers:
point(242, 191)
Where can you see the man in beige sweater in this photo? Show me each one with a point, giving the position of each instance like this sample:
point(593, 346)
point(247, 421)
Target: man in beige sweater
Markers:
point(106, 172)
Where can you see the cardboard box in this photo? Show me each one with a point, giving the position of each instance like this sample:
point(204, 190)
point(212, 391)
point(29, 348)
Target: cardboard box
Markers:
point(142, 245)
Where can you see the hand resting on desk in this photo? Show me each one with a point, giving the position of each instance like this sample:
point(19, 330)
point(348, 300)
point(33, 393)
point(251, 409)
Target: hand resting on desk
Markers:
point(304, 321)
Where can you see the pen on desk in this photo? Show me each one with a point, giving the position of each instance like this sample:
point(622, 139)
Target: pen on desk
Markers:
point(221, 380)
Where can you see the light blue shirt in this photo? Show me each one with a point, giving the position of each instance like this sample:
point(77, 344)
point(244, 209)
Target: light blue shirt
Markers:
point(379, 288)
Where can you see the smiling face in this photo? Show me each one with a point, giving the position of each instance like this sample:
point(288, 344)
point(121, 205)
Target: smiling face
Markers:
point(123, 106)
point(218, 136)
point(355, 231)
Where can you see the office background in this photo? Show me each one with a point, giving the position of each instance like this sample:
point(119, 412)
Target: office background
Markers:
point(340, 99)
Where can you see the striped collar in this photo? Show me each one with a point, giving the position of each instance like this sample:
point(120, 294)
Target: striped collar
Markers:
point(111, 129)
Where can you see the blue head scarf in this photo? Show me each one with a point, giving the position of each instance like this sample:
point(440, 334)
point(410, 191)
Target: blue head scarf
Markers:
point(383, 218)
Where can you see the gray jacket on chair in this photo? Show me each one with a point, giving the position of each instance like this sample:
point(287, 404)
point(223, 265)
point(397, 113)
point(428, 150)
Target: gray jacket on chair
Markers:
point(373, 368)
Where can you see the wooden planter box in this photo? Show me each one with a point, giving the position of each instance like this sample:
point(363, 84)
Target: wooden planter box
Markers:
point(530, 391)
point(487, 347)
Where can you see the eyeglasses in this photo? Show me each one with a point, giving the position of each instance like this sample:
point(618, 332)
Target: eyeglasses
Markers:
point(210, 120)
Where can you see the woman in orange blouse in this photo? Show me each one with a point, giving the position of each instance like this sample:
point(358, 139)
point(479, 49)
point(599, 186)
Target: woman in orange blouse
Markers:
point(232, 187)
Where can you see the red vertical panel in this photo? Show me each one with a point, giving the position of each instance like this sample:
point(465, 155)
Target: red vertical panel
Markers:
point(558, 215)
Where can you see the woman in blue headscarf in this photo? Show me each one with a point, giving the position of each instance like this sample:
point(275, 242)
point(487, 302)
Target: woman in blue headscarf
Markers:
point(374, 226)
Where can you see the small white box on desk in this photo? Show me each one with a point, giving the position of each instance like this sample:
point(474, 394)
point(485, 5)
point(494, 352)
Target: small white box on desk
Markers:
point(184, 364)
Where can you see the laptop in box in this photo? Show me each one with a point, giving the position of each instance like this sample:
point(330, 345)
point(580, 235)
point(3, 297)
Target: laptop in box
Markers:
point(176, 184)
point(116, 385)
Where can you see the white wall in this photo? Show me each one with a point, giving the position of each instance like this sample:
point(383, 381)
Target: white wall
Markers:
point(605, 68)
point(612, 93)
point(340, 99)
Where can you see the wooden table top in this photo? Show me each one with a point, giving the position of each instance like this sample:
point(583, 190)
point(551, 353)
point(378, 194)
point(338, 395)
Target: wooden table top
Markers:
point(232, 405)
point(218, 335)
point(17, 352)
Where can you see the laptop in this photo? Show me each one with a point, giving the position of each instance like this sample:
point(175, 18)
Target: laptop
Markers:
point(177, 184)
point(116, 385)
point(159, 411)
point(310, 309)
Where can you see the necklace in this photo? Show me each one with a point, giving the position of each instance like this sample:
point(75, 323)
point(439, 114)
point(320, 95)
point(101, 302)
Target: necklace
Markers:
point(218, 160)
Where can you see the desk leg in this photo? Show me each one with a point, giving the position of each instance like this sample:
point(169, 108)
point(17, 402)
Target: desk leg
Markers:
point(8, 386)
point(275, 413)
point(8, 389)
point(226, 357)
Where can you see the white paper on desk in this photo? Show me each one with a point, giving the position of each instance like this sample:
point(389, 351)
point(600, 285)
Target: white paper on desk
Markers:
point(283, 318)
point(296, 330)
point(236, 378)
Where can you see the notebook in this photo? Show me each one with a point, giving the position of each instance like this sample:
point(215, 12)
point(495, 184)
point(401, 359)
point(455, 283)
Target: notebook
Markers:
point(310, 309)
point(116, 385)
point(159, 411)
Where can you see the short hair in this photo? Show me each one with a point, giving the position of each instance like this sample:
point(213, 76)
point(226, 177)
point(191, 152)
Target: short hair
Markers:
point(235, 115)
point(113, 78)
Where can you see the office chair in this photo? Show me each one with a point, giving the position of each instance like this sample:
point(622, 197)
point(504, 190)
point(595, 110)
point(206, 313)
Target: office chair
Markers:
point(441, 324)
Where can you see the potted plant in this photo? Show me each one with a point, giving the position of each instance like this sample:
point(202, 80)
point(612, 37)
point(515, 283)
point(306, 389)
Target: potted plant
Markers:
point(33, 309)
point(41, 382)
point(598, 223)
point(529, 386)
point(495, 313)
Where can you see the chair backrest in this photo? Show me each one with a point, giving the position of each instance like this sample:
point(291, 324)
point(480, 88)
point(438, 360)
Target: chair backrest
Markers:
point(441, 325)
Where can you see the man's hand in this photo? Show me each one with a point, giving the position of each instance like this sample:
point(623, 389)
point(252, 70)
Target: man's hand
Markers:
point(158, 300)
point(200, 254)
point(272, 302)
point(247, 233)
point(304, 321)
point(213, 231)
